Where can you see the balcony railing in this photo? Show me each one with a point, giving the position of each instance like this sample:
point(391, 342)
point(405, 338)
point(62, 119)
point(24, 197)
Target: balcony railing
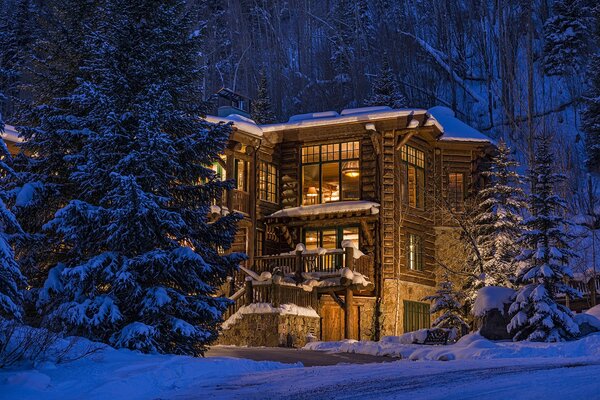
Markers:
point(240, 201)
point(328, 262)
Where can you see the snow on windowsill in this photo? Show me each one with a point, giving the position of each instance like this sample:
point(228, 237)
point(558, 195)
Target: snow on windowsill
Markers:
point(328, 208)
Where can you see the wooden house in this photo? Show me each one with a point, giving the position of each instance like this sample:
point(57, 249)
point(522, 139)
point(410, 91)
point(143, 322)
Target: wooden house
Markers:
point(372, 181)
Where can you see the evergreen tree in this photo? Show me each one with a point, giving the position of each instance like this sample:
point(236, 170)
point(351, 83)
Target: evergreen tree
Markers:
point(261, 104)
point(566, 36)
point(139, 263)
point(448, 302)
point(591, 112)
point(11, 279)
point(544, 259)
point(498, 217)
point(385, 90)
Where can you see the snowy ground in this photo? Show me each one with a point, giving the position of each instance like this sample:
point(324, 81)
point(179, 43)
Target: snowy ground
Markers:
point(481, 369)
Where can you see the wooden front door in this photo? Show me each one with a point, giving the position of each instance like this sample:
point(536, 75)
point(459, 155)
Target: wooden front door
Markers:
point(332, 323)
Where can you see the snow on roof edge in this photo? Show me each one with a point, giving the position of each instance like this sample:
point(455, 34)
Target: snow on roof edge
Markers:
point(455, 129)
point(240, 122)
point(327, 208)
point(10, 134)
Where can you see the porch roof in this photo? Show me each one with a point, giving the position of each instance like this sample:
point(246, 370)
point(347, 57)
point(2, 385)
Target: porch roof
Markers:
point(350, 208)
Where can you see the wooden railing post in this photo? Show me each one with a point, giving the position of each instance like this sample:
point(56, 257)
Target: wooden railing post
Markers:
point(299, 266)
point(349, 258)
point(348, 320)
point(249, 294)
point(275, 294)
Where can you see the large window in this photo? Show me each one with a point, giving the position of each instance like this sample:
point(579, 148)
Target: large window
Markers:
point(456, 190)
point(414, 161)
point(330, 172)
point(416, 316)
point(414, 252)
point(329, 238)
point(267, 182)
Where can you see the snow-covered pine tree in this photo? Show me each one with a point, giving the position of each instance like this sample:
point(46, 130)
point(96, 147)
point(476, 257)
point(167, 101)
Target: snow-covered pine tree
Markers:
point(591, 113)
point(141, 263)
point(566, 36)
point(535, 315)
point(498, 217)
point(343, 51)
point(11, 280)
point(261, 105)
point(385, 90)
point(448, 302)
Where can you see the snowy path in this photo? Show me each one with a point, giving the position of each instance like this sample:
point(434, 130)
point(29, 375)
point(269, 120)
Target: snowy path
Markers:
point(308, 358)
point(480, 379)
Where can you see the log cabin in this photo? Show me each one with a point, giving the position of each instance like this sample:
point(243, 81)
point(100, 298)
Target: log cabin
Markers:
point(350, 210)
point(342, 222)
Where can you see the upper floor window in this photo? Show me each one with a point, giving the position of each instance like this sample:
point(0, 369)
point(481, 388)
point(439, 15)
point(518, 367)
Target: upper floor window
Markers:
point(330, 238)
point(456, 190)
point(267, 182)
point(414, 161)
point(330, 172)
point(241, 169)
point(414, 253)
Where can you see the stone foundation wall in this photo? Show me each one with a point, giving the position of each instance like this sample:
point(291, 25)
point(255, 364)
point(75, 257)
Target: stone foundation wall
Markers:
point(270, 330)
point(393, 305)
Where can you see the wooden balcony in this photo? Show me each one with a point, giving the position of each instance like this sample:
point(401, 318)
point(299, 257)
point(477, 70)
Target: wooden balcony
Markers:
point(329, 262)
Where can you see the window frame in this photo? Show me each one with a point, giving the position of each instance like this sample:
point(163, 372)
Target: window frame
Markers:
point(323, 156)
point(453, 202)
point(417, 315)
point(339, 233)
point(268, 182)
point(246, 184)
point(419, 165)
point(416, 242)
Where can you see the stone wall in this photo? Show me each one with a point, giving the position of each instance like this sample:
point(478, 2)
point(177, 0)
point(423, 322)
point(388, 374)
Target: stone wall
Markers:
point(270, 330)
point(393, 304)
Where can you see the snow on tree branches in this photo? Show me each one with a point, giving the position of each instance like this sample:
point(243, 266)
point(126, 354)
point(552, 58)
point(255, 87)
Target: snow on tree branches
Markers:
point(448, 301)
point(261, 111)
point(385, 89)
point(544, 258)
point(134, 260)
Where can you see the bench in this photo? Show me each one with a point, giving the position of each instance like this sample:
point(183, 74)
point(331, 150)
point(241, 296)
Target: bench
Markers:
point(437, 336)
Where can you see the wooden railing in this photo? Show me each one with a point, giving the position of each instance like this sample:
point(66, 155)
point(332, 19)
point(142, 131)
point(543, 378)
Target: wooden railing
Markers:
point(239, 300)
point(240, 201)
point(277, 294)
point(329, 262)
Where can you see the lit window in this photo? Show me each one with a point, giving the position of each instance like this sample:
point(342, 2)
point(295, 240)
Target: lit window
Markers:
point(330, 172)
point(267, 182)
point(414, 253)
point(456, 190)
point(241, 175)
point(414, 161)
point(330, 238)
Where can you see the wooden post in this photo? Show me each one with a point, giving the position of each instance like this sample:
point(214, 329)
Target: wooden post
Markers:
point(348, 322)
point(349, 261)
point(315, 299)
point(275, 294)
point(249, 294)
point(299, 266)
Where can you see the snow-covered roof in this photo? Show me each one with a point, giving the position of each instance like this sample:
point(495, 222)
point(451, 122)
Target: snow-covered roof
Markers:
point(240, 122)
point(364, 114)
point(10, 134)
point(328, 208)
point(455, 129)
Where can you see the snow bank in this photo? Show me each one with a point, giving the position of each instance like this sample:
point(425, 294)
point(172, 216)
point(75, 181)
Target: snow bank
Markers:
point(124, 374)
point(595, 311)
point(267, 308)
point(492, 298)
point(469, 347)
point(11, 135)
point(328, 208)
